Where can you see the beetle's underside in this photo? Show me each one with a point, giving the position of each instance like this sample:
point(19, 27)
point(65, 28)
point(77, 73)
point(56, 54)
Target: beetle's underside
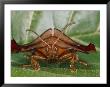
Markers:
point(53, 45)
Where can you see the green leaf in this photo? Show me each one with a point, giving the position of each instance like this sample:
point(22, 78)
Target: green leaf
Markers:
point(20, 22)
point(85, 30)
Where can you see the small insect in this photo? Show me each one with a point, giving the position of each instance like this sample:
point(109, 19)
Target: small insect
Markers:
point(53, 44)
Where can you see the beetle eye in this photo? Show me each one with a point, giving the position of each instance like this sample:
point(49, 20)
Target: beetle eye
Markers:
point(33, 49)
point(70, 49)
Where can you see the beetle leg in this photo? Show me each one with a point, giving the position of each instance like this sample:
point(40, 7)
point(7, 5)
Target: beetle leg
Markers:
point(35, 63)
point(28, 65)
point(83, 62)
point(73, 59)
point(28, 59)
point(72, 66)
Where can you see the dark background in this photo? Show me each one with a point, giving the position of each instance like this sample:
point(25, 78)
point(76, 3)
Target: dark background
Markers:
point(55, 1)
point(2, 2)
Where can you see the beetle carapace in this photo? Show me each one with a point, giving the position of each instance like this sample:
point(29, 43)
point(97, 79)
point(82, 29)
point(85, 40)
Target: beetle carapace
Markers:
point(53, 44)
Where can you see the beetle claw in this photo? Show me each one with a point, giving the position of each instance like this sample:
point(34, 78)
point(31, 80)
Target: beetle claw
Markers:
point(37, 69)
point(25, 66)
point(73, 69)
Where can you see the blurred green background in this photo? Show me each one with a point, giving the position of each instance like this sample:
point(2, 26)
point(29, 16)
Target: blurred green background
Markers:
point(85, 30)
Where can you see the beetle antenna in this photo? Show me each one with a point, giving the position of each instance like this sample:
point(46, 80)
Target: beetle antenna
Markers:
point(70, 22)
point(67, 25)
point(40, 38)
